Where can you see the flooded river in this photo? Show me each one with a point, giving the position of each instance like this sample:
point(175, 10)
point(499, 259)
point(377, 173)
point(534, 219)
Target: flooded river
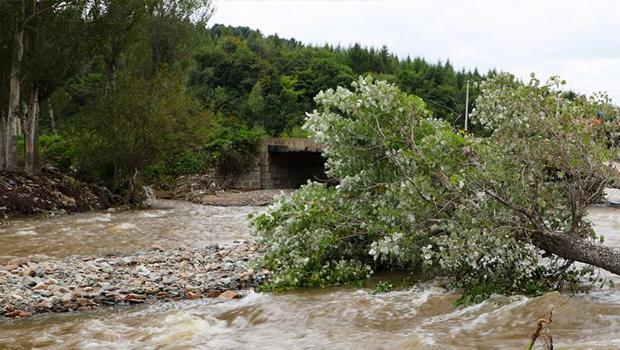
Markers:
point(170, 224)
point(420, 318)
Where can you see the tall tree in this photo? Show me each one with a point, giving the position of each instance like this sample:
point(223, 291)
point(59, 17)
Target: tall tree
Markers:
point(30, 127)
point(19, 10)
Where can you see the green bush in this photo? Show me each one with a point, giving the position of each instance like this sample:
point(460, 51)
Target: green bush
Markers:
point(190, 162)
point(229, 147)
point(132, 128)
point(232, 146)
point(57, 150)
point(296, 132)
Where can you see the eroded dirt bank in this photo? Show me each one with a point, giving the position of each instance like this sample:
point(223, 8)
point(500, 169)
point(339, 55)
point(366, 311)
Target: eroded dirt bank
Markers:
point(48, 191)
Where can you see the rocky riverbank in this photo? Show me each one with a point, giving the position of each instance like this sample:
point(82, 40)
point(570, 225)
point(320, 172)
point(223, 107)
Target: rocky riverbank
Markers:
point(85, 283)
point(48, 191)
point(208, 189)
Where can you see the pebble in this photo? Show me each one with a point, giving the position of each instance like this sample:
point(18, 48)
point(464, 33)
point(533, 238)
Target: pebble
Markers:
point(17, 262)
point(86, 283)
point(143, 271)
point(230, 294)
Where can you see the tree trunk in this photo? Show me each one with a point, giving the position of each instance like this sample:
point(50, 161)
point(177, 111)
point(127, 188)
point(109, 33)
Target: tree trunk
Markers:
point(15, 82)
point(579, 249)
point(31, 129)
point(112, 71)
point(2, 141)
point(51, 115)
point(20, 120)
point(36, 134)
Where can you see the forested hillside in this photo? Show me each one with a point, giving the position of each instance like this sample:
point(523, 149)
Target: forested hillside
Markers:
point(140, 89)
point(271, 82)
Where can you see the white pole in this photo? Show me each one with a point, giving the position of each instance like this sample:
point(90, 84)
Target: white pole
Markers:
point(467, 105)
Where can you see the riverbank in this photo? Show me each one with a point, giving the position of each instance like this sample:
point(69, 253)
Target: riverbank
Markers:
point(48, 191)
point(86, 283)
point(232, 198)
point(208, 189)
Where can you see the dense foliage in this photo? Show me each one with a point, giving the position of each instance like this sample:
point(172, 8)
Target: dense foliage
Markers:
point(271, 82)
point(436, 200)
point(106, 79)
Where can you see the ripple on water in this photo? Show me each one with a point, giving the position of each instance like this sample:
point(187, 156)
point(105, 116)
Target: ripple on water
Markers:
point(98, 217)
point(335, 319)
point(124, 226)
point(25, 232)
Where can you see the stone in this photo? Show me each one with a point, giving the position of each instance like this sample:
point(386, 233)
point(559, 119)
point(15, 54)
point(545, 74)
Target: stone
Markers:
point(224, 281)
point(142, 270)
point(20, 261)
point(40, 271)
point(213, 247)
point(135, 298)
point(214, 294)
point(245, 277)
point(230, 294)
point(67, 297)
point(28, 272)
point(29, 281)
point(18, 313)
point(156, 259)
point(11, 268)
point(185, 257)
point(40, 286)
point(169, 279)
point(105, 267)
point(194, 295)
point(157, 247)
point(43, 305)
point(44, 293)
point(154, 277)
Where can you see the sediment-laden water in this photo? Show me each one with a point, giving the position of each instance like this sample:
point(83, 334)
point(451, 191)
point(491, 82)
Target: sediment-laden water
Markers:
point(420, 318)
point(170, 224)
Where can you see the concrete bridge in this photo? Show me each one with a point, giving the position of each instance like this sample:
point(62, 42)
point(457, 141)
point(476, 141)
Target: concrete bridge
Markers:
point(284, 163)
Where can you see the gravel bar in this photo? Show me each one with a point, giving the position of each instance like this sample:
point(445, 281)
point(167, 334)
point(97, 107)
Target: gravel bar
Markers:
point(85, 283)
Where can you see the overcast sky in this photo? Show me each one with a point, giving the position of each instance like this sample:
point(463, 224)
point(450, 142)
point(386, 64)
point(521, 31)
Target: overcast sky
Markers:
point(578, 40)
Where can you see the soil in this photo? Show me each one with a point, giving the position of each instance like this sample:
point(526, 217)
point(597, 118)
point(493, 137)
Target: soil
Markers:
point(48, 191)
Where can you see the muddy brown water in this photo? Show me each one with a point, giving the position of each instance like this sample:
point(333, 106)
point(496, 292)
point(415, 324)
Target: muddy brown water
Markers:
point(421, 318)
point(169, 224)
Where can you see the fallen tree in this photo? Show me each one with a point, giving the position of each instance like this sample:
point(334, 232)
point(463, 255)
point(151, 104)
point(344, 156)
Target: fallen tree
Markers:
point(502, 211)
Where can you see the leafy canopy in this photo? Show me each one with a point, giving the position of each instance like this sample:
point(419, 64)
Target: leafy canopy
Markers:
point(416, 194)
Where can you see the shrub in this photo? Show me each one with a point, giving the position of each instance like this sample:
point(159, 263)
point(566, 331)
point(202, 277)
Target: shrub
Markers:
point(232, 146)
point(56, 150)
point(138, 123)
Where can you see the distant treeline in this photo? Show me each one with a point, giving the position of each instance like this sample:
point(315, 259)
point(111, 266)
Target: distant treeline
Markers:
point(271, 82)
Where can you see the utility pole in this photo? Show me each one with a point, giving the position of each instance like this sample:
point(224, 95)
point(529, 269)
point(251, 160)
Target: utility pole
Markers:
point(467, 105)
